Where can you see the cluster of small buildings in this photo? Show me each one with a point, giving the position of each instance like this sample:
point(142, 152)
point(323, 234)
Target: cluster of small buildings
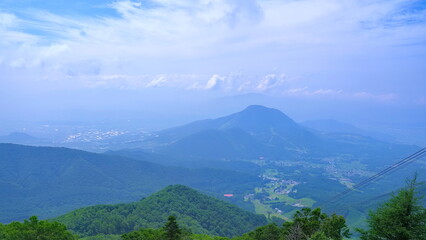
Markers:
point(278, 210)
point(249, 197)
point(92, 136)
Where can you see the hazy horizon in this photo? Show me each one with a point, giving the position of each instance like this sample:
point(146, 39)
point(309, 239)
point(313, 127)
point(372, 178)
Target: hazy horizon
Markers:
point(158, 63)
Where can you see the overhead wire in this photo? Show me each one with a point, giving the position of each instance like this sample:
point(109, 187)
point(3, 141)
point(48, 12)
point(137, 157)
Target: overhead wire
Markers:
point(368, 201)
point(411, 158)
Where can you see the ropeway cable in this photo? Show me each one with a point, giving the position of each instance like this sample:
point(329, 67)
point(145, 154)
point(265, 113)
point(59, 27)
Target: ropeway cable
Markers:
point(391, 168)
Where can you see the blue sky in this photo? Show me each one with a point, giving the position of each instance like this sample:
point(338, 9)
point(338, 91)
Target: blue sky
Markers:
point(360, 52)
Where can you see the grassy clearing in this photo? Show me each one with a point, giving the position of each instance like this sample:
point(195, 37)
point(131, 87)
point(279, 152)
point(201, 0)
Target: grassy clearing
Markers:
point(266, 210)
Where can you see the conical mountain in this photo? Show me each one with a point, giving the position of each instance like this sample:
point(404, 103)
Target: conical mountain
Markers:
point(254, 118)
point(254, 132)
point(257, 118)
point(266, 133)
point(194, 210)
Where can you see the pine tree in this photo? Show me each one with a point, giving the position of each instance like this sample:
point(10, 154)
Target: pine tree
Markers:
point(401, 218)
point(308, 223)
point(172, 230)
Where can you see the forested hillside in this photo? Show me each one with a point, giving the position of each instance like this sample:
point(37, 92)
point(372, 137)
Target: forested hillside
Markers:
point(47, 181)
point(195, 211)
point(403, 216)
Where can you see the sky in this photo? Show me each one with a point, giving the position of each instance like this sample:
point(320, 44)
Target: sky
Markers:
point(351, 60)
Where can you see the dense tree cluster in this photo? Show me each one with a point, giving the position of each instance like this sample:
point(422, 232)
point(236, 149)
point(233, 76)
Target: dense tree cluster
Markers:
point(200, 213)
point(34, 229)
point(403, 217)
point(307, 225)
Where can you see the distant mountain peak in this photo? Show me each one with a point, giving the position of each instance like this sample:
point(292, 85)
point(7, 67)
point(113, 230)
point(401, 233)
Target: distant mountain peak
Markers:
point(259, 108)
point(256, 127)
point(18, 137)
point(256, 107)
point(20, 134)
point(178, 188)
point(258, 117)
point(262, 111)
point(176, 191)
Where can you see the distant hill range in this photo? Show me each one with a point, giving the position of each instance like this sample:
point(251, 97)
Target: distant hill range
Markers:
point(194, 210)
point(49, 181)
point(259, 132)
point(333, 126)
point(19, 138)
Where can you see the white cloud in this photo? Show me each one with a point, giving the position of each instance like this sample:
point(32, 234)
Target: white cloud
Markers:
point(160, 81)
point(297, 91)
point(214, 82)
point(389, 97)
point(270, 81)
point(8, 20)
point(339, 94)
point(327, 91)
point(201, 27)
point(231, 83)
point(157, 46)
point(9, 34)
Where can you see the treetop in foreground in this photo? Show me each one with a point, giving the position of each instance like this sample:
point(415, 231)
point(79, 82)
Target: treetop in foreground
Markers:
point(34, 229)
point(401, 218)
point(307, 225)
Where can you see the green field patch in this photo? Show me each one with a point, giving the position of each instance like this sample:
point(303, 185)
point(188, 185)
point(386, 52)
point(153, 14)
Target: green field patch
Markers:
point(270, 173)
point(347, 183)
point(306, 202)
point(266, 210)
point(274, 198)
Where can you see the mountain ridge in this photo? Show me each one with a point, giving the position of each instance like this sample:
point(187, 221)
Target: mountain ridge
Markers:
point(61, 179)
point(266, 133)
point(194, 210)
point(262, 126)
point(19, 138)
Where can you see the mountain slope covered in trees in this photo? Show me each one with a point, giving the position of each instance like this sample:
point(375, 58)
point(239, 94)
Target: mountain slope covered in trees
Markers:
point(198, 212)
point(47, 181)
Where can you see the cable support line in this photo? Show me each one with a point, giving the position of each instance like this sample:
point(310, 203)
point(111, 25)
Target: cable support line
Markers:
point(393, 167)
point(370, 199)
point(383, 172)
point(381, 195)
